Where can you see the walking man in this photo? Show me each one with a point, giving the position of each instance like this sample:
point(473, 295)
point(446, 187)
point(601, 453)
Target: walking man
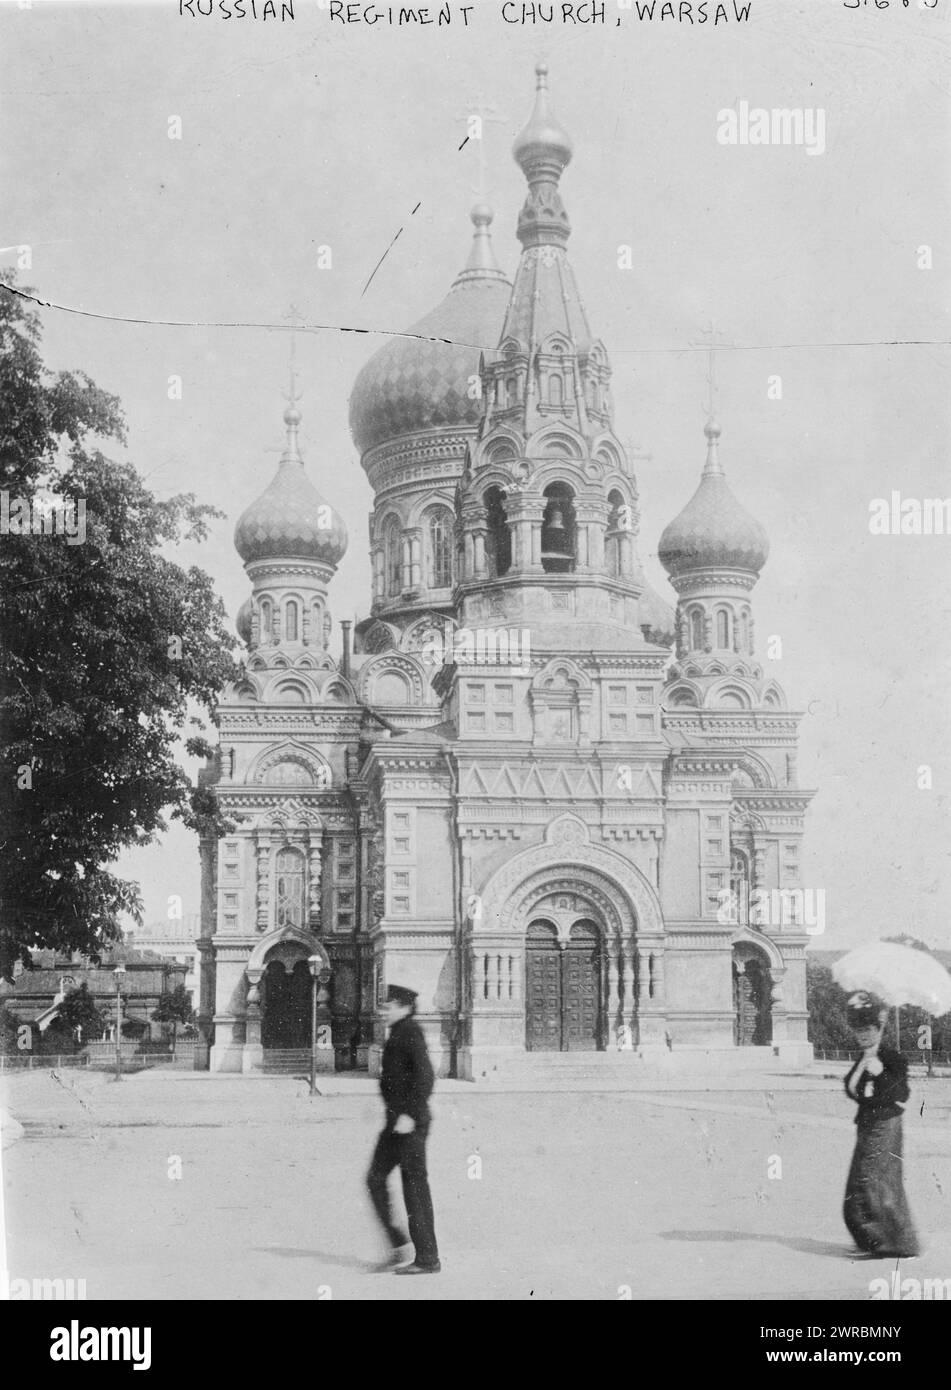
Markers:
point(406, 1083)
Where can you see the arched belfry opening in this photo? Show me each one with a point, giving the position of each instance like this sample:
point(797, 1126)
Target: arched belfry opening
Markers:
point(558, 530)
point(498, 540)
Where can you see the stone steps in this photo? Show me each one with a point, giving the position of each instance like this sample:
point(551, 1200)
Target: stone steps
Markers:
point(620, 1068)
point(287, 1062)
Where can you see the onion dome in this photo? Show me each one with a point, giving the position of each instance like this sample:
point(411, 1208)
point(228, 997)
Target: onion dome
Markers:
point(544, 141)
point(290, 520)
point(243, 621)
point(714, 529)
point(542, 151)
point(412, 383)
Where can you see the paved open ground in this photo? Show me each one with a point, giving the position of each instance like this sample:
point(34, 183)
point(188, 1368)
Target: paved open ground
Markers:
point(566, 1194)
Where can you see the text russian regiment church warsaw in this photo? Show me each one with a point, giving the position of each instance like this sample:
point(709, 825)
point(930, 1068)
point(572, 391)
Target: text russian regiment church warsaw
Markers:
point(541, 849)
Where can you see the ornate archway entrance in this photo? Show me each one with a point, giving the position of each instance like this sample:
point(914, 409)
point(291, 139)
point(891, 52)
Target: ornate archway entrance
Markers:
point(285, 1004)
point(752, 997)
point(563, 987)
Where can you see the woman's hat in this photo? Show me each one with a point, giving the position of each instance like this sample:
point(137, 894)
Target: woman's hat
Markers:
point(865, 1009)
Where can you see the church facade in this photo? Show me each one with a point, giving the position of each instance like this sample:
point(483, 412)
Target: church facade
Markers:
point(564, 812)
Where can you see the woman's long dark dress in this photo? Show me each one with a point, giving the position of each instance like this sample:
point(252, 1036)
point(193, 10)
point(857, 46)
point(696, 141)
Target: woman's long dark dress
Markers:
point(876, 1209)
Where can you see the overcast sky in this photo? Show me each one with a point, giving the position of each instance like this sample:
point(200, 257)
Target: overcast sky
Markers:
point(309, 134)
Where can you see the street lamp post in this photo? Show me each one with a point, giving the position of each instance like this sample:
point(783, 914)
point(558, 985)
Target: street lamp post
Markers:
point(319, 975)
point(119, 972)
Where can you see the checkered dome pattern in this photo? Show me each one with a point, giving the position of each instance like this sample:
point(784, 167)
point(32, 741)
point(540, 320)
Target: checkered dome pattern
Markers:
point(713, 529)
point(289, 521)
point(413, 384)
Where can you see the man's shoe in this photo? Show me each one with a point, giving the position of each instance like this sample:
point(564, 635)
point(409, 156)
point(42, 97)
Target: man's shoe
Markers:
point(417, 1268)
point(395, 1261)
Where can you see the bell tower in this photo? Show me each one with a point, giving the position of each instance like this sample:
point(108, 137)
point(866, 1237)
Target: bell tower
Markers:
point(547, 504)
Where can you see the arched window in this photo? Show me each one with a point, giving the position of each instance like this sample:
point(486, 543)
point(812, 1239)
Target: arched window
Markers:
point(558, 530)
point(740, 885)
point(556, 389)
point(394, 557)
point(511, 391)
point(267, 619)
point(617, 525)
point(696, 630)
point(439, 549)
point(723, 628)
point(289, 889)
point(745, 631)
point(290, 621)
point(498, 540)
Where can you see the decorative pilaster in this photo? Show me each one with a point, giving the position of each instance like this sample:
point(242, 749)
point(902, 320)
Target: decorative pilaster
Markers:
point(613, 1002)
point(629, 1004)
point(314, 846)
point(262, 849)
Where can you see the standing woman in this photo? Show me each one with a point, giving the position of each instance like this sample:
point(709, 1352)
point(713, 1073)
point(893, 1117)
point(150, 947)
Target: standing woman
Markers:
point(876, 1209)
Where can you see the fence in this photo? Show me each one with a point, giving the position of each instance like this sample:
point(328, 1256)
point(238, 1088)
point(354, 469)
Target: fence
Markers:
point(190, 1055)
point(916, 1058)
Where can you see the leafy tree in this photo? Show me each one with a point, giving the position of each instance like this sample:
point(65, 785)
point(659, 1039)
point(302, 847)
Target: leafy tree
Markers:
point(174, 1007)
point(826, 1003)
point(9, 1031)
point(78, 1010)
point(107, 648)
point(134, 1028)
point(58, 1040)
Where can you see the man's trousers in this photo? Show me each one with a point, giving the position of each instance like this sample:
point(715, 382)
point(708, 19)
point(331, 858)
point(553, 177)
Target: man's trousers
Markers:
point(408, 1153)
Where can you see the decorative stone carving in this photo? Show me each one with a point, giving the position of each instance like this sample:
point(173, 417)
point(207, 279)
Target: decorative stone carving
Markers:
point(313, 881)
point(263, 853)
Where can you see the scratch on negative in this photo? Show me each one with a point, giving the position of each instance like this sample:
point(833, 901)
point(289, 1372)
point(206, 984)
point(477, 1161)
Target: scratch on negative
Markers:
point(661, 350)
point(212, 323)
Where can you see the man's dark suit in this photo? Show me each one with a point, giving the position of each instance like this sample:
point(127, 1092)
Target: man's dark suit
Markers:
point(406, 1083)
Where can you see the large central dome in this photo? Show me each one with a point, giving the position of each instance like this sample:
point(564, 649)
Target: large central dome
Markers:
point(412, 384)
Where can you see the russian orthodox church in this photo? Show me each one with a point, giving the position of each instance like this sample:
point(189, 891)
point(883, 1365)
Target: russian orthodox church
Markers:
point(530, 791)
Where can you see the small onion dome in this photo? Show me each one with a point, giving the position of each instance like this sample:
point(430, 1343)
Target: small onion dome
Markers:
point(714, 529)
point(412, 383)
point(543, 141)
point(243, 621)
point(290, 520)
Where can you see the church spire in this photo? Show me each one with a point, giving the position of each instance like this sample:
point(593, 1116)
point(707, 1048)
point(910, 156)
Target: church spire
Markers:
point(481, 264)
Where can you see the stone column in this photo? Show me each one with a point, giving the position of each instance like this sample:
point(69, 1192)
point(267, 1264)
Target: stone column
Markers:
point(596, 546)
point(416, 560)
point(406, 575)
point(262, 851)
point(629, 1007)
point(252, 1053)
point(468, 544)
point(314, 842)
point(612, 1004)
point(524, 544)
point(478, 549)
point(536, 546)
point(778, 1006)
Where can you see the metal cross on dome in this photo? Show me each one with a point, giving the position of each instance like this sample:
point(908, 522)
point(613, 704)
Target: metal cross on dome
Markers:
point(709, 339)
point(488, 116)
point(296, 320)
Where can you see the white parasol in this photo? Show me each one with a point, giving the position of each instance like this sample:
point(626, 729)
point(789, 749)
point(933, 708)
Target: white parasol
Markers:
point(897, 974)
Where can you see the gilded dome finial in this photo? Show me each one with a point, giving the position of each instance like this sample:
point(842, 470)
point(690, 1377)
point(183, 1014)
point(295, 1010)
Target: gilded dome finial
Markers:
point(543, 150)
